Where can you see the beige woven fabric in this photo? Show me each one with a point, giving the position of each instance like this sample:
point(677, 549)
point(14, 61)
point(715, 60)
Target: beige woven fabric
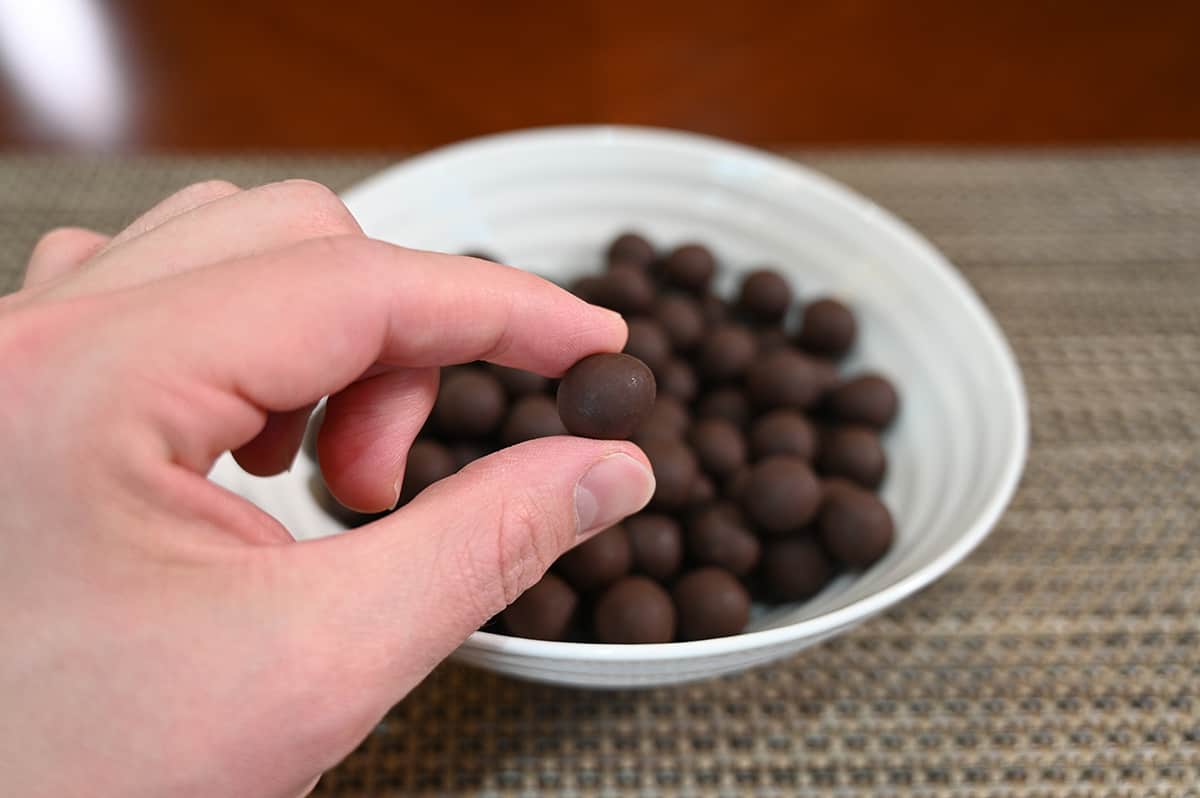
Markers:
point(1062, 658)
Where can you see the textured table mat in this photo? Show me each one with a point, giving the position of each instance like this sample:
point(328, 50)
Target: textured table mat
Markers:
point(1061, 658)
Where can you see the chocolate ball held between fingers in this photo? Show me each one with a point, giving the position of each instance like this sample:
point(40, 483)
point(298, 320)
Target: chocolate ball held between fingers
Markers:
point(678, 379)
point(765, 295)
point(869, 399)
point(854, 524)
point(681, 318)
point(718, 535)
point(719, 446)
point(605, 396)
point(730, 404)
point(726, 352)
point(634, 610)
point(428, 461)
point(785, 378)
point(624, 288)
point(795, 568)
point(518, 382)
point(598, 561)
point(648, 343)
point(470, 403)
point(675, 469)
point(782, 494)
point(690, 267)
point(657, 544)
point(828, 328)
point(544, 611)
point(669, 418)
point(533, 416)
point(630, 248)
point(783, 432)
point(853, 451)
point(710, 603)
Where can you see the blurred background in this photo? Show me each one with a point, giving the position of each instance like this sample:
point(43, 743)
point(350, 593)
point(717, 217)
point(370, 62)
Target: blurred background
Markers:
point(376, 75)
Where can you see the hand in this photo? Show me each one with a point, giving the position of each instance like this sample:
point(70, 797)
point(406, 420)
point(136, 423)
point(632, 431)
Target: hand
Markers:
point(161, 635)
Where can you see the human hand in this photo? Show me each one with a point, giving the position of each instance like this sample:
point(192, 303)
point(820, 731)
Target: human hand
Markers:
point(161, 635)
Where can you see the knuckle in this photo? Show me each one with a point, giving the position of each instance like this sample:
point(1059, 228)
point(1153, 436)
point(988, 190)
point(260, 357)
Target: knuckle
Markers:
point(207, 190)
point(321, 210)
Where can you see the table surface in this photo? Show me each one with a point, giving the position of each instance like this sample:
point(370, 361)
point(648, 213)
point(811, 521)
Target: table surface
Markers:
point(1061, 658)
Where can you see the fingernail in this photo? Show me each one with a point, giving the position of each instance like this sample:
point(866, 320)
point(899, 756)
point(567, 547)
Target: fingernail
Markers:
point(611, 489)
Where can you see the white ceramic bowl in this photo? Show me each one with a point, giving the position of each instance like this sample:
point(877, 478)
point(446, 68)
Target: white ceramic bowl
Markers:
point(550, 200)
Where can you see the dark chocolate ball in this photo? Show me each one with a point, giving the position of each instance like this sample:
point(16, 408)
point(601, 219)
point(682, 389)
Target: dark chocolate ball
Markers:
point(765, 295)
point(714, 310)
point(605, 396)
point(520, 383)
point(533, 416)
point(783, 432)
point(675, 468)
point(869, 399)
point(710, 603)
point(667, 419)
point(678, 379)
point(771, 338)
point(428, 461)
point(719, 446)
point(544, 611)
point(853, 451)
point(855, 525)
point(828, 328)
point(681, 318)
point(657, 544)
point(585, 287)
point(635, 610)
point(648, 343)
point(785, 378)
point(598, 561)
point(704, 492)
point(631, 248)
point(730, 404)
point(470, 403)
point(782, 494)
point(465, 452)
point(690, 267)
point(624, 288)
point(726, 352)
point(735, 484)
point(719, 535)
point(795, 568)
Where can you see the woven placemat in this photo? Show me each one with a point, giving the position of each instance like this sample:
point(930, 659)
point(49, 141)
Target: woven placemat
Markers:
point(1062, 658)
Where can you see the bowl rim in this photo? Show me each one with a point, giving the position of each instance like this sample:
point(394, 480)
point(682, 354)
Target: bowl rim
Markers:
point(1008, 379)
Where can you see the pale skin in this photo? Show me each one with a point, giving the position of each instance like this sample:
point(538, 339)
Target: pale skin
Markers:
point(162, 636)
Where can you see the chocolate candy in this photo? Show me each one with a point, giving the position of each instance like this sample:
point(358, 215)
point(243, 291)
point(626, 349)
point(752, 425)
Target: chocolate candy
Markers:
point(675, 468)
point(718, 535)
point(634, 610)
point(855, 525)
point(625, 289)
point(681, 318)
point(520, 383)
point(678, 379)
point(795, 568)
point(771, 338)
point(586, 287)
point(428, 461)
point(667, 419)
point(465, 452)
point(853, 451)
point(828, 328)
point(785, 378)
point(544, 611)
point(869, 399)
point(533, 416)
point(598, 561)
point(690, 267)
point(783, 432)
point(631, 248)
point(703, 492)
point(470, 402)
point(648, 343)
point(719, 446)
point(657, 544)
point(730, 404)
point(710, 603)
point(735, 484)
point(605, 396)
point(782, 494)
point(714, 310)
point(765, 295)
point(726, 352)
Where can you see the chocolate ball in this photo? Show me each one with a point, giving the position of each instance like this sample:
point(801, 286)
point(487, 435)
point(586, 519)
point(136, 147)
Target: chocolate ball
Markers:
point(869, 399)
point(667, 419)
point(690, 267)
point(771, 338)
point(428, 461)
point(735, 484)
point(855, 525)
point(544, 611)
point(795, 568)
point(783, 432)
point(719, 446)
point(648, 343)
point(782, 494)
point(635, 610)
point(718, 535)
point(470, 403)
point(828, 328)
point(681, 318)
point(598, 561)
point(730, 404)
point(765, 295)
point(714, 310)
point(631, 248)
point(726, 352)
point(657, 544)
point(520, 383)
point(853, 451)
point(533, 416)
point(703, 492)
point(676, 378)
point(605, 396)
point(675, 468)
point(710, 603)
point(466, 452)
point(624, 288)
point(785, 378)
point(585, 287)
